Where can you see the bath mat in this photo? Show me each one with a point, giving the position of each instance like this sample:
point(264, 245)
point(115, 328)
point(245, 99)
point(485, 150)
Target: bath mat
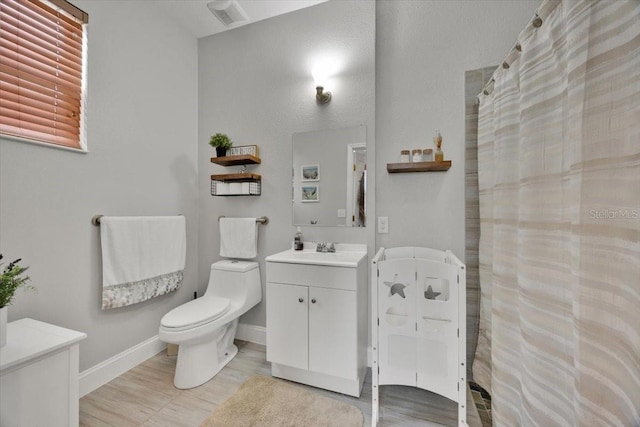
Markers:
point(265, 402)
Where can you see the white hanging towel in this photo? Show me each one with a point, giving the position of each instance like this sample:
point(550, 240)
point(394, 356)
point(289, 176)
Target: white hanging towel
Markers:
point(142, 257)
point(238, 237)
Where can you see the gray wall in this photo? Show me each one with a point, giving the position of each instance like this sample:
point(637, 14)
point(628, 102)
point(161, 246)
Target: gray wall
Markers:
point(142, 122)
point(255, 84)
point(151, 157)
point(423, 49)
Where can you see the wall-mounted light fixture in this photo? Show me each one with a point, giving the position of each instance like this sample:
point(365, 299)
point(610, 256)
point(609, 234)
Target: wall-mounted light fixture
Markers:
point(324, 68)
point(321, 96)
point(321, 72)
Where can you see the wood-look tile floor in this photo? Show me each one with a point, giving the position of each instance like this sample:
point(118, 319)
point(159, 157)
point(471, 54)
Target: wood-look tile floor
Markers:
point(145, 396)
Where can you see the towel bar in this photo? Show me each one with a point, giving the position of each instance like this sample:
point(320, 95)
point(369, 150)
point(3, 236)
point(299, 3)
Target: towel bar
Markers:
point(96, 220)
point(262, 220)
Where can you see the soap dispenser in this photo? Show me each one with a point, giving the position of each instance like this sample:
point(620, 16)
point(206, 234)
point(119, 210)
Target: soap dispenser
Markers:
point(297, 241)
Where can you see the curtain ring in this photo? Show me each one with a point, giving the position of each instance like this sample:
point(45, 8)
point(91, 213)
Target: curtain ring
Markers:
point(505, 65)
point(537, 21)
point(485, 89)
point(518, 47)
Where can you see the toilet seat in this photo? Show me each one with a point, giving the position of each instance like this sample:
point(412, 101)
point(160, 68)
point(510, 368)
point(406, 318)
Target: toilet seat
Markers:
point(195, 313)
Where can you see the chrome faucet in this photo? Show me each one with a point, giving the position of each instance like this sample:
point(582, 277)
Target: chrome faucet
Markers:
point(325, 247)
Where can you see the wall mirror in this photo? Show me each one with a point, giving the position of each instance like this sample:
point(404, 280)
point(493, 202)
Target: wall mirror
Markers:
point(330, 177)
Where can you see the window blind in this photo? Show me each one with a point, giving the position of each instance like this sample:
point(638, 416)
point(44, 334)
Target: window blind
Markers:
point(41, 72)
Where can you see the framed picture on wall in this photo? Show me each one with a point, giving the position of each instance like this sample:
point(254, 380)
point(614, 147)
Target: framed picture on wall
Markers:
point(310, 193)
point(310, 173)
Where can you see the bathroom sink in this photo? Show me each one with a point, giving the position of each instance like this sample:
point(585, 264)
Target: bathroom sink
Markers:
point(345, 256)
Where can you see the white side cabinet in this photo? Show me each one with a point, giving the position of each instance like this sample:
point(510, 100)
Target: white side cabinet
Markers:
point(39, 375)
point(317, 319)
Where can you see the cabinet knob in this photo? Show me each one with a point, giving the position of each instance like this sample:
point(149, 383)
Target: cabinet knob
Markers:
point(300, 299)
point(313, 301)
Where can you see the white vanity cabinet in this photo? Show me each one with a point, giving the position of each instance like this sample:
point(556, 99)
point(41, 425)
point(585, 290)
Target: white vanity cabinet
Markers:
point(39, 375)
point(317, 319)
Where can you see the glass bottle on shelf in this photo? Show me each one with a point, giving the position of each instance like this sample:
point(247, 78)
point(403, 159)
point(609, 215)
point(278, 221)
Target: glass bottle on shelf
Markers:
point(437, 140)
point(405, 156)
point(416, 155)
point(427, 155)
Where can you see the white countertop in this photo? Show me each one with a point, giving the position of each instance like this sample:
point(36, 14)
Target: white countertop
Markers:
point(346, 255)
point(28, 339)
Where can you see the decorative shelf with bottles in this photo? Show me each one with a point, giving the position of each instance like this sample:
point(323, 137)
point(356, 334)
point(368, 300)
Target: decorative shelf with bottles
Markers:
point(419, 167)
point(241, 183)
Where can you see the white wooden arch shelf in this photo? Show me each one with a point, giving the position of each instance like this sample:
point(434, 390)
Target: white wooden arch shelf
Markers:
point(418, 298)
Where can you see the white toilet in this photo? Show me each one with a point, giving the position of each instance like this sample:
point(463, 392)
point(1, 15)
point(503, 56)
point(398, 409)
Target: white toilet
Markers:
point(205, 328)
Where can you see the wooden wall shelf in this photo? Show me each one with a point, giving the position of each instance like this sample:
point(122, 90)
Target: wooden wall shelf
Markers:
point(243, 159)
point(240, 183)
point(237, 177)
point(419, 167)
point(236, 184)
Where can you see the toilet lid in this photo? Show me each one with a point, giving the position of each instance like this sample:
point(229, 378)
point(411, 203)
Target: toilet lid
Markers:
point(196, 312)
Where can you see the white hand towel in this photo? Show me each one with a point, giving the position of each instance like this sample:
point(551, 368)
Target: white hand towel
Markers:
point(238, 237)
point(142, 257)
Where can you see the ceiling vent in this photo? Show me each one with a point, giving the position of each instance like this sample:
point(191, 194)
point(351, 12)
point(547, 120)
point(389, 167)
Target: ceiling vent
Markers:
point(227, 11)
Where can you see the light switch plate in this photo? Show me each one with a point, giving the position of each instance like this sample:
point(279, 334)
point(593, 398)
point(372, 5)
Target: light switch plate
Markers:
point(383, 225)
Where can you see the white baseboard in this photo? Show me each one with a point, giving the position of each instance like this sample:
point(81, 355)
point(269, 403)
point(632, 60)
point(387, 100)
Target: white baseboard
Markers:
point(252, 333)
point(117, 365)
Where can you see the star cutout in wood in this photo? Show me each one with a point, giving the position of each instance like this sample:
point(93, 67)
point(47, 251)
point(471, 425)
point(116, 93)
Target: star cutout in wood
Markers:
point(396, 288)
point(430, 293)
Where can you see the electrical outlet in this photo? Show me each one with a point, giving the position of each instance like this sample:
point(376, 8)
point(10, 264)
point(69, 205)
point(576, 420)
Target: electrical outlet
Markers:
point(383, 225)
point(342, 213)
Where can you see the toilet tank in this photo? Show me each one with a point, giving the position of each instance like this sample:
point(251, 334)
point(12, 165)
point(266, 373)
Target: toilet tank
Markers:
point(235, 279)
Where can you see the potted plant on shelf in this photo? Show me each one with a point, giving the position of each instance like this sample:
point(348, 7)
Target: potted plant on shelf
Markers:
point(221, 141)
point(11, 279)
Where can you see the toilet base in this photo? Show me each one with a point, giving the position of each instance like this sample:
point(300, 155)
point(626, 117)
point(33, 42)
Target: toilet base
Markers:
point(199, 362)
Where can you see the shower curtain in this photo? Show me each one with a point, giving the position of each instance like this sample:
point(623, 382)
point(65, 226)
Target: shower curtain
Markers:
point(559, 188)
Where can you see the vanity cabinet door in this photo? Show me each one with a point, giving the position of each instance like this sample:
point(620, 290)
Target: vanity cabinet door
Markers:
point(287, 325)
point(332, 332)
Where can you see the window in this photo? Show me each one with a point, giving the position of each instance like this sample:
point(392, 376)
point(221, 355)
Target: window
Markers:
point(41, 71)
